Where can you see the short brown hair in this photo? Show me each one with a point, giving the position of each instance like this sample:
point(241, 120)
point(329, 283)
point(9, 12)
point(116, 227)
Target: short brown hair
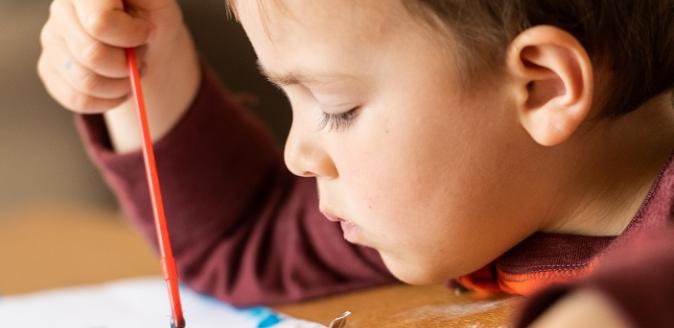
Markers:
point(632, 40)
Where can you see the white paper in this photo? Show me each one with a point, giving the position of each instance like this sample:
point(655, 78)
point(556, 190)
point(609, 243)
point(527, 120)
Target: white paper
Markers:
point(137, 303)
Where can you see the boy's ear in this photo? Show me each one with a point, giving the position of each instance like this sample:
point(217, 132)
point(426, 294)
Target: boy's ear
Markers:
point(553, 81)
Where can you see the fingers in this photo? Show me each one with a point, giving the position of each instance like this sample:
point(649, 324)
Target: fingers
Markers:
point(69, 97)
point(108, 22)
point(99, 57)
point(87, 81)
point(74, 86)
point(83, 63)
point(73, 100)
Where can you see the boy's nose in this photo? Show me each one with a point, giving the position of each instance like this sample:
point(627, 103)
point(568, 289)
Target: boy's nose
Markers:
point(305, 156)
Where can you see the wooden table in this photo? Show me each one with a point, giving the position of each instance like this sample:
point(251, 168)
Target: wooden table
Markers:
point(56, 247)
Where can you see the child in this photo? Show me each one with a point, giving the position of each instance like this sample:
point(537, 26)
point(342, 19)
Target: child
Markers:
point(512, 146)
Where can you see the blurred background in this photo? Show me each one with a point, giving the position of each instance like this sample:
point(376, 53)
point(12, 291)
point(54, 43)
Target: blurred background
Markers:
point(43, 163)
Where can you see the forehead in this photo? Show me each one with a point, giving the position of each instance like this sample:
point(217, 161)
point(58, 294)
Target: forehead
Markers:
point(280, 29)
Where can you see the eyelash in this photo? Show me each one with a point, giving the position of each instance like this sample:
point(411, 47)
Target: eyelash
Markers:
point(340, 121)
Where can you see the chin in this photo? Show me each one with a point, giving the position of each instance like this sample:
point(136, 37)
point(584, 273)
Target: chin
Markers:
point(415, 273)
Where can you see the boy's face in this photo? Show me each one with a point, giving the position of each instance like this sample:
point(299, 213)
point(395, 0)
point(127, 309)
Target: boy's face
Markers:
point(423, 172)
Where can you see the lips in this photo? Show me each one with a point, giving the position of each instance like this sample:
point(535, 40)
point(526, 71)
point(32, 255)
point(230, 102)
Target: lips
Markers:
point(331, 217)
point(349, 229)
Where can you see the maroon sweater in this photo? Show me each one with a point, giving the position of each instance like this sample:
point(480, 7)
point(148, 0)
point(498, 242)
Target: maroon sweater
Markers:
point(248, 232)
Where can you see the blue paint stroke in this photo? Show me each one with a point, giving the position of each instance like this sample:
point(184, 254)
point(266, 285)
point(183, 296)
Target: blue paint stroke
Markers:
point(264, 316)
point(267, 317)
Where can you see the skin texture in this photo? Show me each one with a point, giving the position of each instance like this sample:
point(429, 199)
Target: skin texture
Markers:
point(398, 172)
point(426, 170)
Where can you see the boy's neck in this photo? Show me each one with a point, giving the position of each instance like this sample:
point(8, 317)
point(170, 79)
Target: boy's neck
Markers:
point(614, 166)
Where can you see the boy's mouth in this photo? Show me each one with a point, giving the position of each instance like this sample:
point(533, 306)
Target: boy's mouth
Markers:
point(331, 217)
point(349, 229)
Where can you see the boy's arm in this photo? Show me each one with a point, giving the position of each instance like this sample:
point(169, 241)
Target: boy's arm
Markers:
point(243, 228)
point(636, 281)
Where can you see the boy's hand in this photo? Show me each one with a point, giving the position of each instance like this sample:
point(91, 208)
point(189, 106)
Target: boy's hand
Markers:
point(586, 308)
point(83, 64)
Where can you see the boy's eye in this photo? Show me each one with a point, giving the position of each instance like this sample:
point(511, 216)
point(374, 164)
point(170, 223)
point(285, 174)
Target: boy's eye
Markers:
point(338, 121)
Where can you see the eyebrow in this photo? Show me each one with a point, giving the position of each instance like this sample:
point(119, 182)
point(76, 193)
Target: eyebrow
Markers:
point(294, 78)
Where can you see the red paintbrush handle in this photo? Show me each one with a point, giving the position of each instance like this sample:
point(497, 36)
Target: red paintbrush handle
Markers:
point(168, 262)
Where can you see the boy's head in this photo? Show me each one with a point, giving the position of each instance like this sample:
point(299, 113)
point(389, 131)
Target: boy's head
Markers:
point(424, 121)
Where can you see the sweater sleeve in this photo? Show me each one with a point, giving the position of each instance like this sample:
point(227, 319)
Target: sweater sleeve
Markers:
point(637, 278)
point(243, 228)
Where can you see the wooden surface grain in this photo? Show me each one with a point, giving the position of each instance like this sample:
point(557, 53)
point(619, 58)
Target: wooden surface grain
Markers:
point(408, 306)
point(51, 247)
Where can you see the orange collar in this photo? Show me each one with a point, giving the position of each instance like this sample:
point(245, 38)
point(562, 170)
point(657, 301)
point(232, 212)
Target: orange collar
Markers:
point(491, 280)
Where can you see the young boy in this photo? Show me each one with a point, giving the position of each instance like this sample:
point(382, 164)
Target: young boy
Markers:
point(512, 146)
